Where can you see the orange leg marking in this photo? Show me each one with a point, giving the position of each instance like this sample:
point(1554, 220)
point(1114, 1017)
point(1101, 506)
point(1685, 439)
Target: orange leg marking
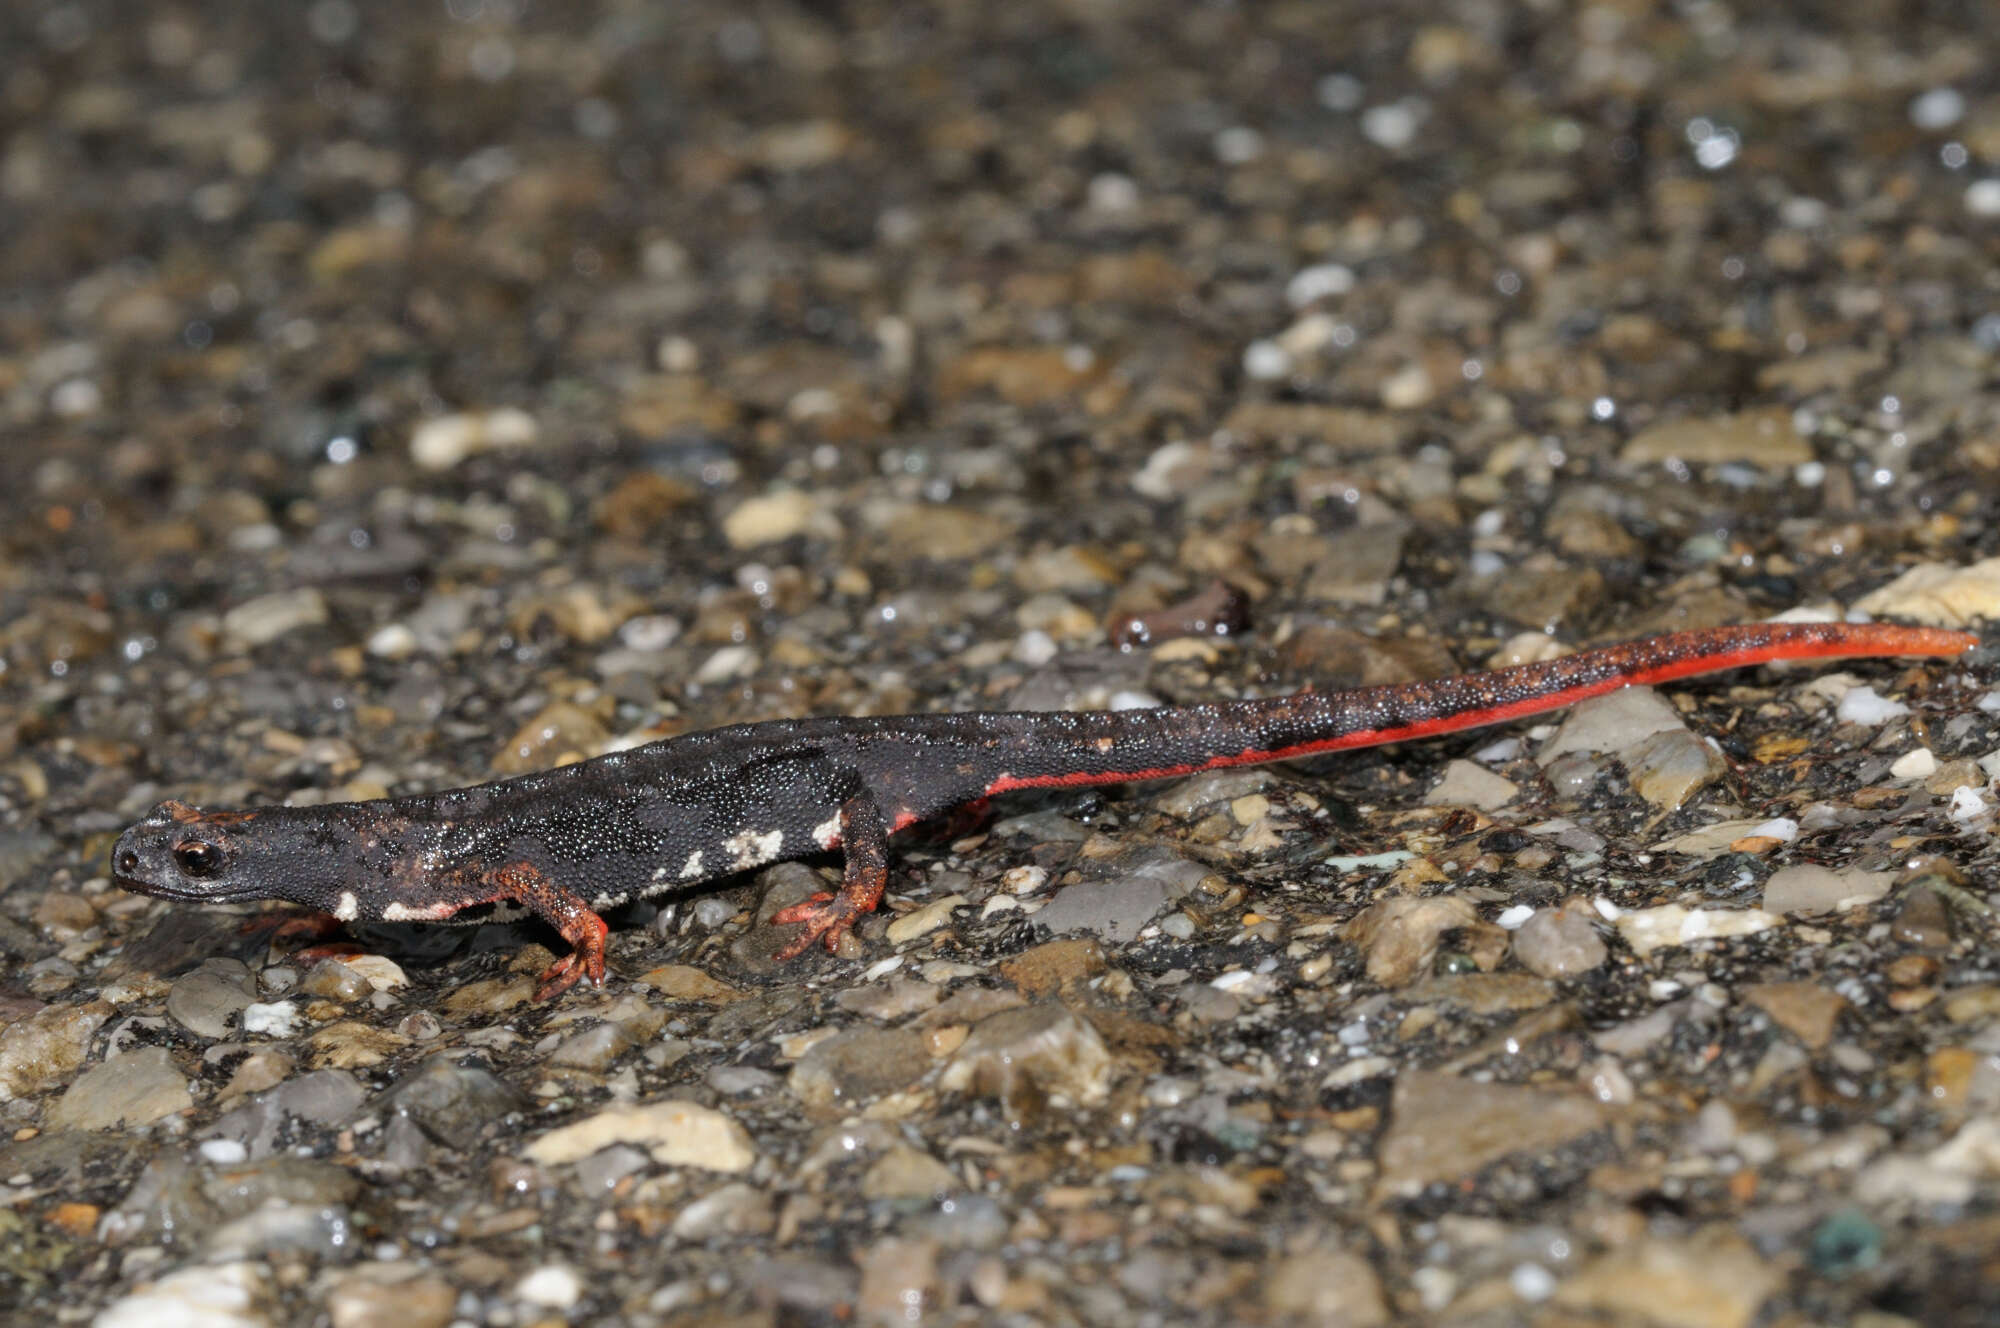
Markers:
point(865, 841)
point(568, 914)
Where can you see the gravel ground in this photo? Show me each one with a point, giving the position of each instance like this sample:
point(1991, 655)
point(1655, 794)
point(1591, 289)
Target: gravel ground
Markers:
point(397, 397)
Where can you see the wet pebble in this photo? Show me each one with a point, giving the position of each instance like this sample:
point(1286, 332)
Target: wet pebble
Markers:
point(1765, 437)
point(857, 1065)
point(390, 1295)
point(553, 1286)
point(327, 1098)
point(1669, 925)
point(1115, 910)
point(1806, 888)
point(1032, 1054)
point(444, 441)
point(234, 1295)
point(676, 1133)
point(1443, 1127)
point(1942, 594)
point(735, 1209)
point(45, 1048)
point(908, 1173)
point(923, 921)
point(453, 1103)
point(1469, 784)
point(136, 1088)
point(1326, 1286)
point(1668, 768)
point(1615, 722)
point(1400, 935)
point(594, 1049)
point(1560, 942)
point(1713, 1279)
point(1806, 1010)
point(890, 1000)
point(899, 1277)
point(260, 621)
point(334, 980)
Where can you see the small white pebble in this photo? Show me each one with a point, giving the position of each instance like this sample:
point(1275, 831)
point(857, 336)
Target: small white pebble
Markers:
point(223, 1152)
point(271, 1018)
point(1862, 705)
point(1967, 803)
point(1532, 1282)
point(1435, 1287)
point(1238, 145)
point(1266, 360)
point(1663, 989)
point(726, 663)
point(1112, 192)
point(653, 631)
point(882, 968)
point(1135, 701)
point(1024, 880)
point(1607, 910)
point(998, 904)
point(1939, 108)
point(1318, 282)
point(396, 641)
point(76, 397)
point(1512, 918)
point(1988, 703)
point(1982, 198)
point(1393, 126)
point(1781, 828)
point(1035, 648)
point(1918, 764)
point(552, 1286)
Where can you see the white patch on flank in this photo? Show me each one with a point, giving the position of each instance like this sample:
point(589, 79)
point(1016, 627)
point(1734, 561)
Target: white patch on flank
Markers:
point(347, 908)
point(405, 913)
point(827, 831)
point(752, 849)
point(692, 867)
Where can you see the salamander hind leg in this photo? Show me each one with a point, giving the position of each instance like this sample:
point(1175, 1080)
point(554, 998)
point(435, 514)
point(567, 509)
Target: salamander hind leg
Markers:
point(864, 838)
point(582, 928)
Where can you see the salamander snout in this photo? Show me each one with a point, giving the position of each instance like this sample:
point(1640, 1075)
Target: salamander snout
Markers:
point(175, 852)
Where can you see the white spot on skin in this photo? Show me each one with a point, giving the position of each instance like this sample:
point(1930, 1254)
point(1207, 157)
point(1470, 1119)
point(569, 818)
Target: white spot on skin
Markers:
point(348, 908)
point(427, 913)
point(751, 849)
point(692, 867)
point(827, 833)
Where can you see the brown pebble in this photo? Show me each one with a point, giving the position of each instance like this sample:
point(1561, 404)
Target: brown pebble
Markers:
point(1948, 1075)
point(1911, 970)
point(1050, 967)
point(78, 1219)
point(1923, 921)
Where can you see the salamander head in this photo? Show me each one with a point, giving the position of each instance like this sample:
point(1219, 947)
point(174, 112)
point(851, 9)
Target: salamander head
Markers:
point(177, 852)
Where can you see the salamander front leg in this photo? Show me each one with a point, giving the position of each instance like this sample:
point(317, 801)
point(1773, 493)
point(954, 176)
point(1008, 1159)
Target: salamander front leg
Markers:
point(583, 929)
point(864, 838)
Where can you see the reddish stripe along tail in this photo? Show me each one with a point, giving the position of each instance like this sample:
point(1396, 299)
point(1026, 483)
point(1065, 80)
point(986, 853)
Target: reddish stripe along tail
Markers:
point(1309, 723)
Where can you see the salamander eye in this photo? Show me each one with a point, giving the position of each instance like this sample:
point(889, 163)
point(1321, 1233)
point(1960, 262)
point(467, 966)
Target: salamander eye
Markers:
point(198, 857)
point(128, 862)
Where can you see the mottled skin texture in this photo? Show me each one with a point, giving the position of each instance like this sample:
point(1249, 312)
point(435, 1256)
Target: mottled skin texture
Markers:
point(566, 843)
